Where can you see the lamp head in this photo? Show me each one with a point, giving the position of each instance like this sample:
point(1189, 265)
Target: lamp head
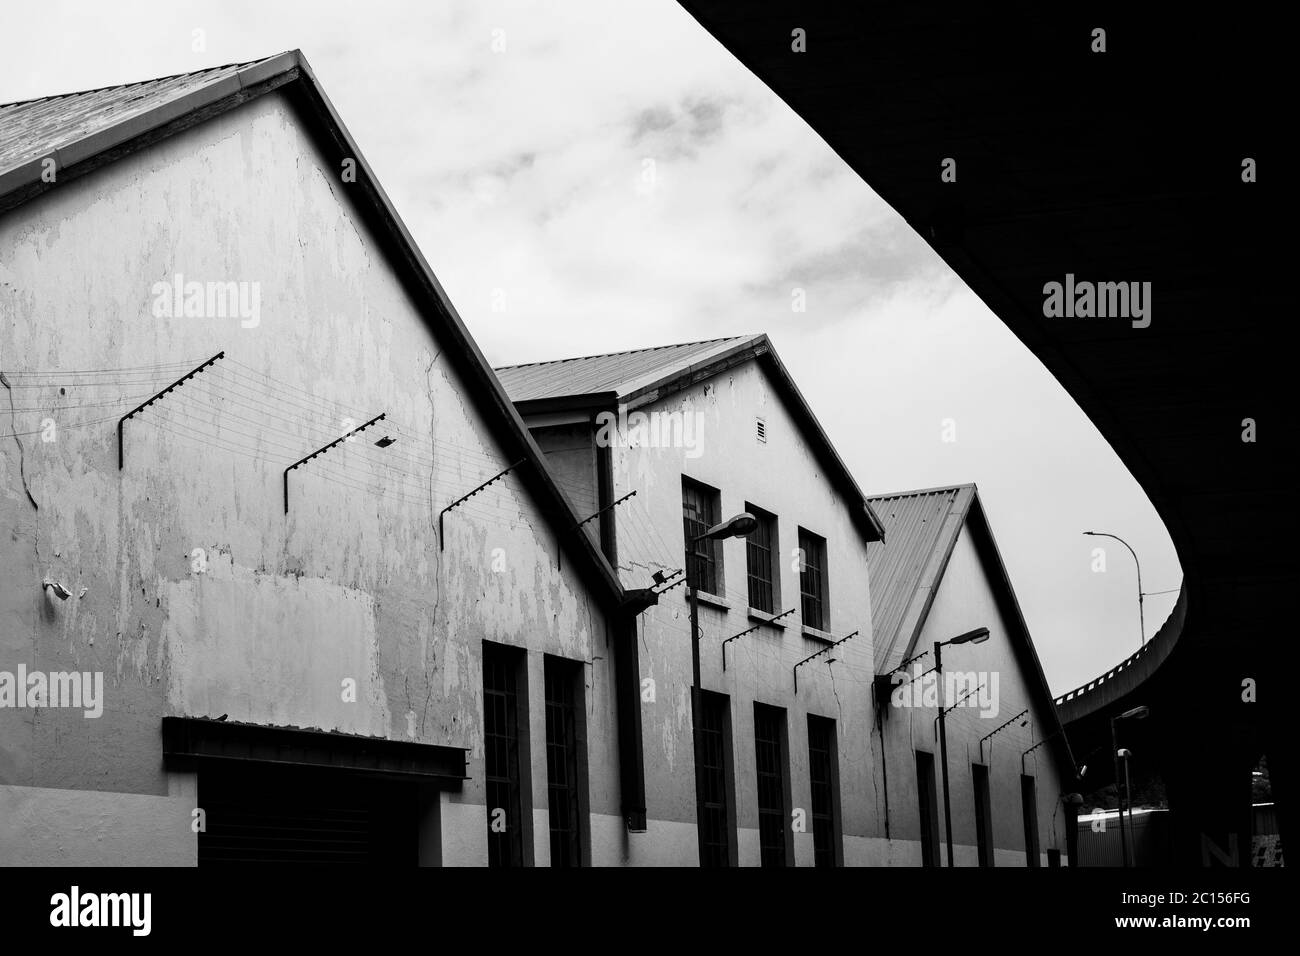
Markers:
point(737, 526)
point(977, 636)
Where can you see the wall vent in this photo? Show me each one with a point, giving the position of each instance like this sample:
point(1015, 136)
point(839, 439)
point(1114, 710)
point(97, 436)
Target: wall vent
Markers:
point(760, 429)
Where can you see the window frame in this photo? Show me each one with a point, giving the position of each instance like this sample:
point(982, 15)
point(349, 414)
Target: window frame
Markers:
point(709, 551)
point(775, 840)
point(755, 548)
point(982, 786)
point(566, 749)
point(505, 678)
point(828, 838)
point(1029, 813)
point(927, 806)
point(719, 773)
point(814, 592)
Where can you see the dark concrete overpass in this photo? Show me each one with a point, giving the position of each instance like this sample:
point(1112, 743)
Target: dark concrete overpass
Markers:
point(1116, 166)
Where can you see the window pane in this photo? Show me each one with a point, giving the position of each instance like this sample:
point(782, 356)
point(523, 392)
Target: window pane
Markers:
point(501, 756)
point(715, 797)
point(812, 581)
point(562, 764)
point(700, 505)
point(760, 556)
point(770, 773)
point(822, 771)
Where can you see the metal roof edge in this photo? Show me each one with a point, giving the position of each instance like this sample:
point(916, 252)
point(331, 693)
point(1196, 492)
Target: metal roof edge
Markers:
point(927, 585)
point(120, 133)
point(916, 493)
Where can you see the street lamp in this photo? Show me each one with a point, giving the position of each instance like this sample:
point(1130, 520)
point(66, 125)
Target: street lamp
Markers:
point(977, 636)
point(1136, 713)
point(735, 527)
point(1141, 618)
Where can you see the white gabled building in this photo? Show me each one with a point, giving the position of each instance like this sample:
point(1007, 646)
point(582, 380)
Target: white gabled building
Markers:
point(936, 576)
point(299, 659)
point(694, 434)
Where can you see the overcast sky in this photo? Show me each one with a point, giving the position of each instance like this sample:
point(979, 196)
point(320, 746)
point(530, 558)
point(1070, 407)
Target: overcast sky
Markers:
point(624, 182)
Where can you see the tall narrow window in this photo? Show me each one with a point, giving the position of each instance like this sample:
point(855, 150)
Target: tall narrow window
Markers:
point(812, 581)
point(717, 808)
point(773, 785)
point(501, 735)
point(761, 565)
point(1029, 806)
point(823, 769)
point(700, 507)
point(563, 760)
point(928, 805)
point(983, 813)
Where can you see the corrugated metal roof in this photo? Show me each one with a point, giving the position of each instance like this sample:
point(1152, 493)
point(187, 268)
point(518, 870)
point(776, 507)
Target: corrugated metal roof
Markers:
point(34, 129)
point(620, 372)
point(921, 528)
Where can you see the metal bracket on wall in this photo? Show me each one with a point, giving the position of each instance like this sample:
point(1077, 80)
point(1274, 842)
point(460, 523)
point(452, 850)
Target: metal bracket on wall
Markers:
point(442, 541)
point(999, 729)
point(664, 587)
point(750, 630)
point(139, 408)
point(612, 504)
point(559, 549)
point(321, 451)
point(827, 648)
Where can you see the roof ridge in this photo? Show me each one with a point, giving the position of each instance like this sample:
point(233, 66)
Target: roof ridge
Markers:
point(917, 492)
point(650, 348)
point(149, 79)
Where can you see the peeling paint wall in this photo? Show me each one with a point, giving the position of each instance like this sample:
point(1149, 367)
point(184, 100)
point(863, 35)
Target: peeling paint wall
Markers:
point(191, 589)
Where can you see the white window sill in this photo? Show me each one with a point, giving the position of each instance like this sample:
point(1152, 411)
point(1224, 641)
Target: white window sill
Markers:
point(762, 617)
point(817, 635)
point(709, 600)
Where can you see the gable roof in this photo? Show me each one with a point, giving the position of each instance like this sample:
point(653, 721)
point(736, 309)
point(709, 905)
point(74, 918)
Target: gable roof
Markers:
point(905, 573)
point(922, 529)
point(85, 131)
point(641, 376)
point(617, 372)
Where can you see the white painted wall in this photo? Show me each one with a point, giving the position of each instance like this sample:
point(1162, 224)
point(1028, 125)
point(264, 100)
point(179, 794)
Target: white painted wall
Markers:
point(352, 584)
point(781, 476)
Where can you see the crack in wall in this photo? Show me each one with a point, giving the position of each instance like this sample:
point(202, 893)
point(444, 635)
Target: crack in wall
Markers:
point(22, 452)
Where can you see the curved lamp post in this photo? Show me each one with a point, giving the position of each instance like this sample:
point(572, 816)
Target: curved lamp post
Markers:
point(977, 636)
point(1141, 618)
